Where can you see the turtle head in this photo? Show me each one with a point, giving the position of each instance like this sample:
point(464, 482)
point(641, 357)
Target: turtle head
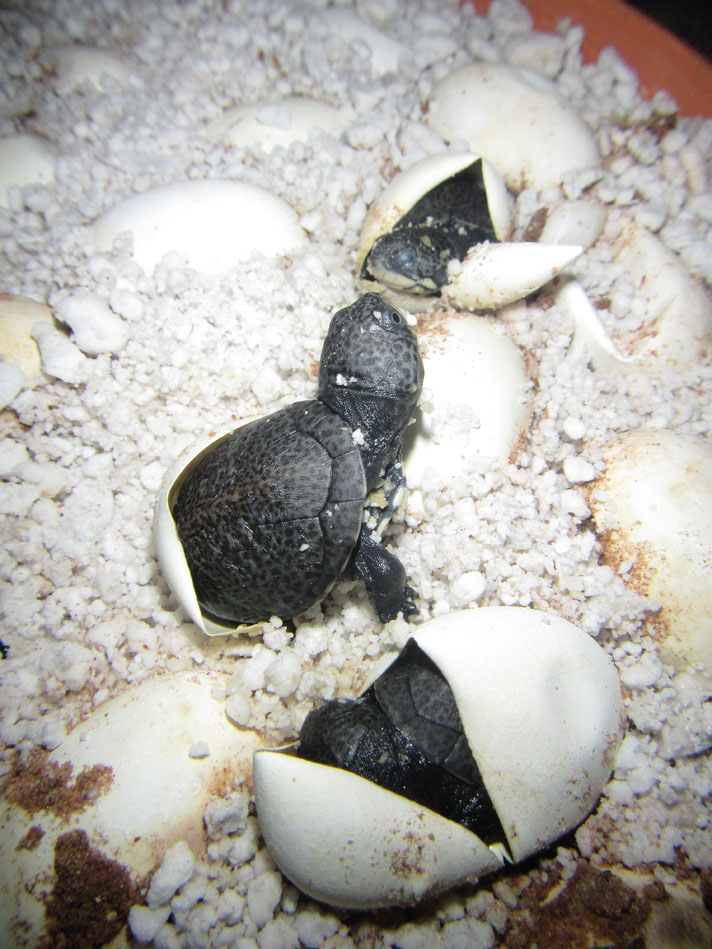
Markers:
point(413, 259)
point(371, 372)
point(370, 348)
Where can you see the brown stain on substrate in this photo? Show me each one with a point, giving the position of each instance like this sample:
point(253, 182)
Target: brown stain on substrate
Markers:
point(39, 784)
point(595, 907)
point(91, 898)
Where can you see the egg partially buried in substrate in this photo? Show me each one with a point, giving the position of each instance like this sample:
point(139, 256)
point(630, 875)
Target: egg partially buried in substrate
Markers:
point(653, 516)
point(128, 782)
point(490, 736)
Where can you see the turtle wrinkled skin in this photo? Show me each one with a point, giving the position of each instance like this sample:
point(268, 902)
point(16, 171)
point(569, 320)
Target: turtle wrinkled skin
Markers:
point(405, 734)
point(446, 223)
point(274, 515)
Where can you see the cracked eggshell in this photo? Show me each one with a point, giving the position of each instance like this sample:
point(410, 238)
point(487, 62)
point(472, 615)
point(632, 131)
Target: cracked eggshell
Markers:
point(540, 702)
point(169, 549)
point(653, 513)
point(349, 843)
point(478, 403)
point(408, 187)
point(541, 705)
point(24, 160)
point(155, 795)
point(213, 224)
point(282, 122)
point(494, 275)
point(514, 117)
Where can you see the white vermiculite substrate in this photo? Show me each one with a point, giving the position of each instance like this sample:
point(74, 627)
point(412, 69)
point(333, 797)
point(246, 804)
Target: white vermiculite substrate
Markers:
point(144, 363)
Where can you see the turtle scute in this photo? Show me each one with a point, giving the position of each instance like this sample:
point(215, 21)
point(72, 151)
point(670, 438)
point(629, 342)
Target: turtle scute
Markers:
point(268, 519)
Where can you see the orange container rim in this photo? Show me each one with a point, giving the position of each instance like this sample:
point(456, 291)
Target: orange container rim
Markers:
point(661, 60)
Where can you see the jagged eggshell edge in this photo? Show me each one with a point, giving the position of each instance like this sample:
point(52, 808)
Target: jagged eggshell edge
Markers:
point(541, 705)
point(169, 549)
point(409, 186)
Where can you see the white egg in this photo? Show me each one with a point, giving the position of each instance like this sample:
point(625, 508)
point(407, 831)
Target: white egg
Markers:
point(515, 118)
point(169, 549)
point(78, 64)
point(478, 404)
point(212, 224)
point(24, 160)
point(541, 706)
point(677, 330)
point(385, 52)
point(282, 122)
point(17, 317)
point(492, 274)
point(155, 795)
point(653, 513)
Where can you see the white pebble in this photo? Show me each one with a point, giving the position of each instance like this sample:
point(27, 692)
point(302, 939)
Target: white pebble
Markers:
point(12, 380)
point(60, 357)
point(145, 923)
point(577, 470)
point(573, 428)
point(315, 926)
point(467, 588)
point(176, 869)
point(644, 672)
point(282, 676)
point(94, 327)
point(12, 454)
point(199, 749)
point(263, 894)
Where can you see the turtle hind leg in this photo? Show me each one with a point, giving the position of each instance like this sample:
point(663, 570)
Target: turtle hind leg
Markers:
point(385, 579)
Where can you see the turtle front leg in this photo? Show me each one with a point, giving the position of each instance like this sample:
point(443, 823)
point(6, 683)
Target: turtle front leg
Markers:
point(385, 579)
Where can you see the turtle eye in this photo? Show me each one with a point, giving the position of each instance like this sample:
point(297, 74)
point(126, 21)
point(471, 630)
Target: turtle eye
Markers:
point(388, 318)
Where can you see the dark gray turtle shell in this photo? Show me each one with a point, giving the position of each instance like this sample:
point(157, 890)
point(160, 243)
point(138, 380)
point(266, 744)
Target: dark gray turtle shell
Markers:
point(280, 527)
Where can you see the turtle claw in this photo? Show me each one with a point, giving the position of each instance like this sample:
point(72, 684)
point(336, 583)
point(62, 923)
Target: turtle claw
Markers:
point(406, 606)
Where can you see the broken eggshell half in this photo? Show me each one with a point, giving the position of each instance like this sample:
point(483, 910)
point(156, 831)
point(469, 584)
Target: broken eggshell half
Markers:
point(485, 272)
point(169, 549)
point(541, 709)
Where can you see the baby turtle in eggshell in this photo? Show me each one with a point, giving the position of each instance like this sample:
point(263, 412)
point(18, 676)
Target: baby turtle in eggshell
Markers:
point(274, 514)
point(443, 225)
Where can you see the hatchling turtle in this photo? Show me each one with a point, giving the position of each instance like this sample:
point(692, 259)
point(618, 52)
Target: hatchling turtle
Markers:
point(278, 511)
point(443, 225)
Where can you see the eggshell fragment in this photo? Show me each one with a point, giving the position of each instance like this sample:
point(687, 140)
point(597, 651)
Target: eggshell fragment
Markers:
point(574, 222)
point(677, 330)
point(493, 275)
point(541, 705)
point(169, 549)
point(155, 797)
point(653, 511)
point(17, 317)
point(213, 224)
point(515, 118)
point(24, 160)
point(270, 124)
point(478, 403)
point(348, 842)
